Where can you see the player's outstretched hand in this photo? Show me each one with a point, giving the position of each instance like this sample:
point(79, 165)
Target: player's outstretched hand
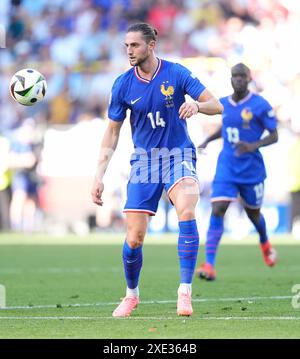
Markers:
point(243, 147)
point(97, 190)
point(188, 109)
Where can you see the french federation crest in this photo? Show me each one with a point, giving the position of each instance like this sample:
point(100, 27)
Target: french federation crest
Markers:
point(168, 91)
point(247, 116)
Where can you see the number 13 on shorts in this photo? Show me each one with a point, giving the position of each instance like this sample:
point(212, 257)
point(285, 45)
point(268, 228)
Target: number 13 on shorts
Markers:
point(259, 191)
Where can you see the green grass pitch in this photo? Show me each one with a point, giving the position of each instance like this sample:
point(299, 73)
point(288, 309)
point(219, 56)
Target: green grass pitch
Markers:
point(68, 288)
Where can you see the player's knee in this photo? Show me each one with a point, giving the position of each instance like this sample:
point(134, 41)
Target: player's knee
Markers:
point(219, 210)
point(186, 214)
point(135, 238)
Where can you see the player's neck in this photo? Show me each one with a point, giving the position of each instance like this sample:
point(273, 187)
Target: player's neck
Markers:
point(238, 96)
point(148, 68)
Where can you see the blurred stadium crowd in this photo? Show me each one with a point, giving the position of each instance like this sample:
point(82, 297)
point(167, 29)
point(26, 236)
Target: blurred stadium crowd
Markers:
point(78, 46)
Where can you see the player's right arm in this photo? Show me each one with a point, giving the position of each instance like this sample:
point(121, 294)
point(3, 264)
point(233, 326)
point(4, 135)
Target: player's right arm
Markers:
point(116, 113)
point(217, 134)
point(107, 148)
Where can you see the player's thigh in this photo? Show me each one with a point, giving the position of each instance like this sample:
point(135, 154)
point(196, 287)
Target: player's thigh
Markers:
point(137, 224)
point(19, 197)
point(182, 187)
point(185, 196)
point(252, 195)
point(142, 201)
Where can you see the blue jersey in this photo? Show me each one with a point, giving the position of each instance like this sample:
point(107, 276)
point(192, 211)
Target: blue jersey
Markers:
point(154, 105)
point(245, 121)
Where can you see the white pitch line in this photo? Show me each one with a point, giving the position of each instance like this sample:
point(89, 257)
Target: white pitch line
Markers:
point(104, 304)
point(146, 318)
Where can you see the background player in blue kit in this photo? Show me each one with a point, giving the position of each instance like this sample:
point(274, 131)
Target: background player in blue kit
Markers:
point(240, 167)
point(164, 156)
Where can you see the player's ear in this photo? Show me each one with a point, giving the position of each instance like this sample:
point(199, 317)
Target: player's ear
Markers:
point(152, 44)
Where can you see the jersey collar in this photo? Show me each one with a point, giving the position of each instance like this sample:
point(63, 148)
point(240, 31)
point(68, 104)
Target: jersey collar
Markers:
point(233, 103)
point(154, 75)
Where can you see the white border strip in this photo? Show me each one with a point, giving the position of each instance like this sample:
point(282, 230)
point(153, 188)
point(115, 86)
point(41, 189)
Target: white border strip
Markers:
point(104, 304)
point(220, 199)
point(132, 210)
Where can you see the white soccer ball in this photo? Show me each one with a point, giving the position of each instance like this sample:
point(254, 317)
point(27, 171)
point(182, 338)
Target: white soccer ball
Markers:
point(28, 86)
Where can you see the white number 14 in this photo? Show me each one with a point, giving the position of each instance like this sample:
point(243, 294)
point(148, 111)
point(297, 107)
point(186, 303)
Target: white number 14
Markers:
point(158, 121)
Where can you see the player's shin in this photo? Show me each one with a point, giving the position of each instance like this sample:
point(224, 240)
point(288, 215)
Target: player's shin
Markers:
point(214, 234)
point(188, 245)
point(269, 253)
point(132, 261)
point(260, 226)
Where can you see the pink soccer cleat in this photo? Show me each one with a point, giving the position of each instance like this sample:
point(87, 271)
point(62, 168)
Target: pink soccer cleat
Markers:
point(206, 271)
point(125, 308)
point(269, 254)
point(184, 304)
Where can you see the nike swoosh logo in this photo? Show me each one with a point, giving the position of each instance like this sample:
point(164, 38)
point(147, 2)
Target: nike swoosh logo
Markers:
point(187, 242)
point(134, 101)
point(130, 261)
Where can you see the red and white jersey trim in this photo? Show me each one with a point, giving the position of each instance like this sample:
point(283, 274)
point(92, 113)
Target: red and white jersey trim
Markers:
point(154, 75)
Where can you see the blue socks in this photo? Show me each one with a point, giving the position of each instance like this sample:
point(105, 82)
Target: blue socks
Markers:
point(214, 234)
point(261, 229)
point(132, 261)
point(215, 231)
point(188, 244)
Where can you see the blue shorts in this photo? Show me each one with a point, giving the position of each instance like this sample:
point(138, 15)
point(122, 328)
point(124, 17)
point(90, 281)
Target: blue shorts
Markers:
point(251, 194)
point(148, 180)
point(24, 183)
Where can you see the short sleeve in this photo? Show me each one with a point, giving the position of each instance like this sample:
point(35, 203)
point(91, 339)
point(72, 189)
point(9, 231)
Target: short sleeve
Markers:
point(191, 85)
point(268, 116)
point(117, 108)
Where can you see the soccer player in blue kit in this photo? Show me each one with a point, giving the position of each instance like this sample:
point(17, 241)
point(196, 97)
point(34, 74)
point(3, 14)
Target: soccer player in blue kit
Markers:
point(164, 156)
point(240, 167)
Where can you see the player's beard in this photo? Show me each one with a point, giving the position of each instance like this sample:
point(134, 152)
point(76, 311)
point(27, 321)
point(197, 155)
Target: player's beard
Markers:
point(139, 61)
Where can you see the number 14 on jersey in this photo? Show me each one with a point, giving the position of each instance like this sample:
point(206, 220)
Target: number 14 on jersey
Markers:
point(158, 121)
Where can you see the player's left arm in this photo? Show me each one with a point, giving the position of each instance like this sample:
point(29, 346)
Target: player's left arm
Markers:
point(206, 103)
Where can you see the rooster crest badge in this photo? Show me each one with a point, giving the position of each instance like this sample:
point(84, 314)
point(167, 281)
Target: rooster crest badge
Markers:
point(168, 91)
